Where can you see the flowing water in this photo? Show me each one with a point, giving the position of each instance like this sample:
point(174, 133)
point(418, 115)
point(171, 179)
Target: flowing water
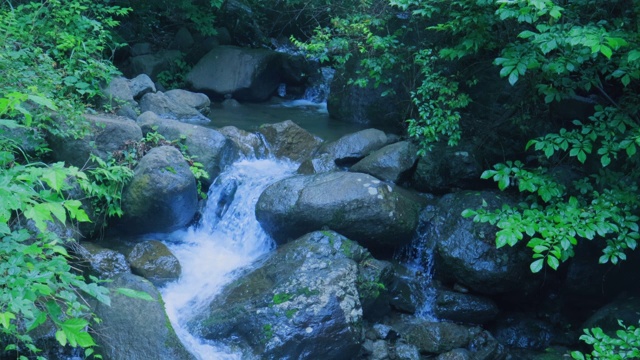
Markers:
point(227, 238)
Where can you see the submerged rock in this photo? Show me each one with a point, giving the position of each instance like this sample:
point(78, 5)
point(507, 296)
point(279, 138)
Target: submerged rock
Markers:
point(302, 302)
point(152, 260)
point(379, 216)
point(287, 139)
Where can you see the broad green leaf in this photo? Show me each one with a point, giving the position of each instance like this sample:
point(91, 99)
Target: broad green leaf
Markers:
point(606, 51)
point(135, 294)
point(536, 266)
point(553, 262)
point(5, 319)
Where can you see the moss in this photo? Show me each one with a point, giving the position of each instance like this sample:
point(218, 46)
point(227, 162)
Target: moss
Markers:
point(290, 313)
point(280, 298)
point(267, 331)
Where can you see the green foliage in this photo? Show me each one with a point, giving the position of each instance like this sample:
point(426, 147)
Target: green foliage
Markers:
point(175, 76)
point(37, 283)
point(625, 344)
point(280, 298)
point(104, 184)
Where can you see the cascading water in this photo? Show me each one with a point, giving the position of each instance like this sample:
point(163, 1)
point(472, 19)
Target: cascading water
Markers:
point(227, 238)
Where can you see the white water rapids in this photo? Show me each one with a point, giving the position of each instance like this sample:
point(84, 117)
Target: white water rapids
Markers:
point(227, 238)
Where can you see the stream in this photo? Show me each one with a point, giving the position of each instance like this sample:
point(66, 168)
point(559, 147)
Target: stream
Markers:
point(228, 238)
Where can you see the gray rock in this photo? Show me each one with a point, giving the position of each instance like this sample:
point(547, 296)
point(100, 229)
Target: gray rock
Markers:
point(28, 139)
point(167, 107)
point(445, 168)
point(207, 146)
point(353, 147)
point(485, 347)
point(153, 64)
point(245, 74)
point(301, 302)
point(152, 260)
point(140, 85)
point(437, 337)
point(522, 330)
point(183, 40)
point(464, 308)
point(249, 143)
point(466, 251)
point(406, 352)
point(456, 354)
point(102, 263)
point(390, 163)
point(107, 133)
point(136, 329)
point(288, 140)
point(162, 195)
point(379, 216)
point(198, 101)
point(318, 164)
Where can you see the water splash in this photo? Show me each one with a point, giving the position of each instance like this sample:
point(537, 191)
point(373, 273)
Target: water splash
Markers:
point(228, 238)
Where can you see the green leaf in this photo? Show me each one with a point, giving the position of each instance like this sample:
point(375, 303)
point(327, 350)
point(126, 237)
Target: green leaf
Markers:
point(536, 266)
point(135, 294)
point(5, 319)
point(503, 183)
point(553, 262)
point(633, 55)
point(606, 51)
point(605, 160)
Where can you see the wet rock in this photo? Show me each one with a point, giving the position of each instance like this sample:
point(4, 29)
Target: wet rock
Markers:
point(625, 308)
point(445, 168)
point(456, 354)
point(100, 262)
point(207, 146)
point(379, 216)
point(464, 308)
point(288, 140)
point(521, 330)
point(437, 337)
point(108, 133)
point(466, 251)
point(406, 352)
point(152, 260)
point(352, 147)
point(485, 347)
point(246, 74)
point(136, 329)
point(162, 195)
point(168, 108)
point(301, 302)
point(119, 98)
point(249, 143)
point(390, 163)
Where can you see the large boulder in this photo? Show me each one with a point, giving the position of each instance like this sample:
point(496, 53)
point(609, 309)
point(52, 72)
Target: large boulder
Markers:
point(136, 329)
point(287, 139)
point(352, 103)
point(379, 216)
point(466, 251)
point(245, 74)
point(162, 195)
point(445, 168)
point(107, 133)
point(119, 97)
point(207, 146)
point(173, 107)
point(101, 262)
point(249, 143)
point(391, 163)
point(353, 147)
point(198, 101)
point(437, 337)
point(153, 64)
point(302, 302)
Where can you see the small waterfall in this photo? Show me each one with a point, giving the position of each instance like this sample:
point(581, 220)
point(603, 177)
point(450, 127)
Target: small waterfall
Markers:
point(228, 238)
point(418, 259)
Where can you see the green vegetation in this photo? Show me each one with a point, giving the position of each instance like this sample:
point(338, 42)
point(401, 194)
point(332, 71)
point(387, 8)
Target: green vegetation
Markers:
point(280, 298)
point(53, 63)
point(625, 345)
